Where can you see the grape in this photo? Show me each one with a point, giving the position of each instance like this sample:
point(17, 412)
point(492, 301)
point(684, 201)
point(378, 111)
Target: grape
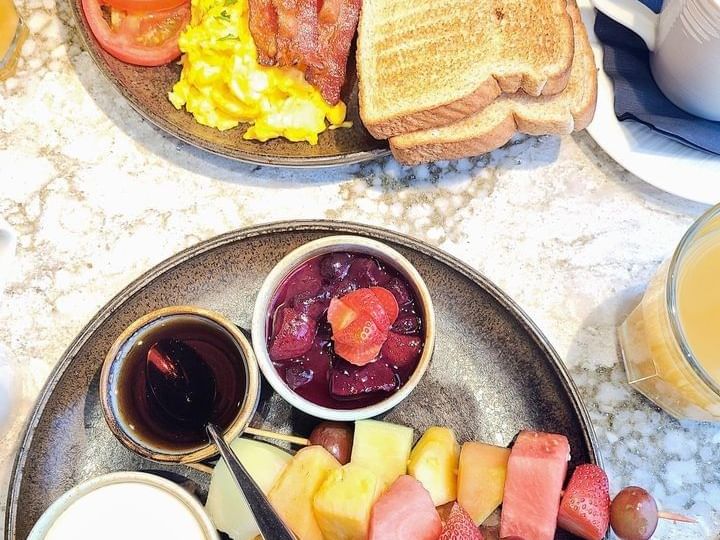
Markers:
point(633, 514)
point(335, 437)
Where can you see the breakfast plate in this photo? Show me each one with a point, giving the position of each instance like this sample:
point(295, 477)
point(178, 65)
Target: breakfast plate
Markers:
point(654, 158)
point(492, 373)
point(146, 90)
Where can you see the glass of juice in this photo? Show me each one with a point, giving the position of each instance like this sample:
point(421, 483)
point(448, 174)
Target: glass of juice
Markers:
point(12, 35)
point(671, 341)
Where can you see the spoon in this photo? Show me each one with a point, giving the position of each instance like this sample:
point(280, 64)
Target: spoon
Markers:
point(184, 387)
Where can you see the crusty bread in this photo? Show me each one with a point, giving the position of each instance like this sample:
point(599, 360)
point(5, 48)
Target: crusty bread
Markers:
point(560, 114)
point(429, 63)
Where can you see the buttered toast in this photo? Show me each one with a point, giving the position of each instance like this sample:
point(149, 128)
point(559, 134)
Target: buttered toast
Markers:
point(430, 63)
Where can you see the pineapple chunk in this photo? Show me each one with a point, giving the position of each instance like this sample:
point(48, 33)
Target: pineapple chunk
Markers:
point(343, 503)
point(383, 448)
point(292, 495)
point(226, 505)
point(434, 461)
point(481, 479)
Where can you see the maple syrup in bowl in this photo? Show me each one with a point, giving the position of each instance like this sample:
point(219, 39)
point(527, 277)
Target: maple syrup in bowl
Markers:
point(171, 373)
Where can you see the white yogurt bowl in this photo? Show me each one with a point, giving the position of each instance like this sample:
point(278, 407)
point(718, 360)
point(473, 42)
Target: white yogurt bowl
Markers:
point(123, 506)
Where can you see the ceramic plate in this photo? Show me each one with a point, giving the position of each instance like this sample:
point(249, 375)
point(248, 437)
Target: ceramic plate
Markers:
point(146, 90)
point(492, 374)
point(654, 158)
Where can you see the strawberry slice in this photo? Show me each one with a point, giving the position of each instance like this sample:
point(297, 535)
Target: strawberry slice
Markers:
point(460, 526)
point(294, 334)
point(358, 355)
point(402, 351)
point(366, 301)
point(340, 315)
point(585, 506)
point(388, 302)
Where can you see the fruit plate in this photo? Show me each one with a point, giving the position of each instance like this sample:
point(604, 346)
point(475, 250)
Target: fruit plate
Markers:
point(493, 372)
point(146, 91)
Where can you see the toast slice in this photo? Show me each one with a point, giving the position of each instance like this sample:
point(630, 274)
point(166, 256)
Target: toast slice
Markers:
point(560, 114)
point(429, 63)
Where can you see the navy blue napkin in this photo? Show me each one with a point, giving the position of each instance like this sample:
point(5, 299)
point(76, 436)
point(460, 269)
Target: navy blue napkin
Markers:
point(637, 97)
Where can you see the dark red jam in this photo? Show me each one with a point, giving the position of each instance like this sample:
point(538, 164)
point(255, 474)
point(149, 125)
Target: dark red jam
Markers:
point(300, 337)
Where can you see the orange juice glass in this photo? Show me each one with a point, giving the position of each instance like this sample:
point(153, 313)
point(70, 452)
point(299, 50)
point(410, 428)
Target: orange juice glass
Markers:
point(671, 341)
point(12, 35)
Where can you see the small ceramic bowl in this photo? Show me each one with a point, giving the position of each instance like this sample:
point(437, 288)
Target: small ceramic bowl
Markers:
point(293, 260)
point(117, 364)
point(143, 505)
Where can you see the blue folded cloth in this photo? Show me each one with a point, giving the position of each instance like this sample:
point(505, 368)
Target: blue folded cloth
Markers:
point(637, 97)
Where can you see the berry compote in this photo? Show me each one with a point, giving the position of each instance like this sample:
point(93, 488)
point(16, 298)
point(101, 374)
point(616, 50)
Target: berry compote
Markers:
point(300, 340)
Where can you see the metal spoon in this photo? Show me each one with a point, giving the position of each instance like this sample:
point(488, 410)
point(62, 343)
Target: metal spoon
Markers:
point(184, 388)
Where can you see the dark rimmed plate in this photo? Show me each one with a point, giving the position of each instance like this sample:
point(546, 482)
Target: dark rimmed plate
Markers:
point(146, 90)
point(493, 372)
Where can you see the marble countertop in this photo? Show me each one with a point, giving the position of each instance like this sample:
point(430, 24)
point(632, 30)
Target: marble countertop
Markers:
point(97, 196)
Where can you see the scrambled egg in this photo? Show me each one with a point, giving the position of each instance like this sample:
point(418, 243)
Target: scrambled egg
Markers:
point(222, 84)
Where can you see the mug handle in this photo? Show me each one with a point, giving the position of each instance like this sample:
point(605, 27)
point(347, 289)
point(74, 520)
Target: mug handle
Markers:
point(632, 14)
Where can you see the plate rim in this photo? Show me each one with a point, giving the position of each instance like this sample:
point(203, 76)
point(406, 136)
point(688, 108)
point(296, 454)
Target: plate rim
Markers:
point(319, 162)
point(623, 156)
point(275, 227)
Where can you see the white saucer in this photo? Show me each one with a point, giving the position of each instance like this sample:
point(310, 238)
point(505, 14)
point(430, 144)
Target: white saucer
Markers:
point(656, 159)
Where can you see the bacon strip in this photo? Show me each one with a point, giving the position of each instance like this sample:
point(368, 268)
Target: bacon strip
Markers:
point(263, 24)
point(337, 21)
point(297, 35)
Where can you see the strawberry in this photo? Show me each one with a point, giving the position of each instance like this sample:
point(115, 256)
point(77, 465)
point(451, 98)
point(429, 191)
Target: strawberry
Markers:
point(460, 526)
point(585, 506)
point(401, 351)
point(388, 302)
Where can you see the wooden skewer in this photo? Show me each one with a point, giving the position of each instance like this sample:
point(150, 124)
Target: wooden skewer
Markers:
point(292, 439)
point(207, 469)
point(676, 517)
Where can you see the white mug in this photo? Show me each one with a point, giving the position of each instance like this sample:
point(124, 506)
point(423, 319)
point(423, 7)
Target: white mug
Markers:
point(684, 40)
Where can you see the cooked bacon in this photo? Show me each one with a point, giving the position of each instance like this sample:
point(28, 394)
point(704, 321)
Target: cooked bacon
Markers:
point(263, 28)
point(337, 23)
point(297, 36)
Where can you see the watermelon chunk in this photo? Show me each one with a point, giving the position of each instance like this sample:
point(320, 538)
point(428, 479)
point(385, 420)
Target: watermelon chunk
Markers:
point(405, 511)
point(535, 476)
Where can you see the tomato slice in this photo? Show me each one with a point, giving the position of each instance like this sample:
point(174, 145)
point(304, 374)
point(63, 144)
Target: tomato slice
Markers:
point(143, 6)
point(143, 39)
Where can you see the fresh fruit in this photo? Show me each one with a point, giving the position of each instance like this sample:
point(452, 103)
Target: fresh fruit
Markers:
point(293, 336)
point(535, 475)
point(481, 479)
point(383, 448)
point(226, 504)
point(342, 504)
point(404, 512)
point(460, 526)
point(585, 505)
point(335, 437)
point(352, 382)
point(388, 302)
point(370, 301)
point(360, 341)
point(402, 351)
point(293, 492)
point(633, 514)
point(434, 462)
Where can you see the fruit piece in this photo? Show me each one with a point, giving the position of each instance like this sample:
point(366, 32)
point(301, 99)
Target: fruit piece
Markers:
point(342, 504)
point(434, 462)
point(340, 315)
point(633, 514)
point(407, 324)
point(358, 355)
point(294, 336)
point(460, 526)
point(400, 291)
point(405, 511)
point(383, 448)
point(351, 382)
point(293, 492)
point(535, 475)
point(335, 265)
point(335, 437)
point(368, 302)
point(402, 351)
point(585, 506)
point(367, 273)
point(226, 504)
point(481, 479)
point(387, 301)
point(307, 281)
point(313, 305)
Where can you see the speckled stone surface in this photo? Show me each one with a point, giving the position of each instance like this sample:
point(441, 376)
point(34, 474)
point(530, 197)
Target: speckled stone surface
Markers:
point(97, 196)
